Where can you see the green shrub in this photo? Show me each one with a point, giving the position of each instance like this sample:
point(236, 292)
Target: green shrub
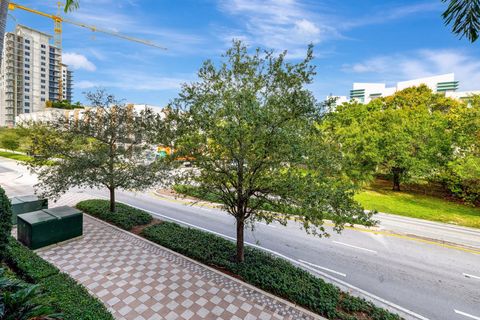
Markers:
point(27, 263)
point(22, 301)
point(73, 299)
point(61, 291)
point(5, 222)
point(126, 217)
point(265, 271)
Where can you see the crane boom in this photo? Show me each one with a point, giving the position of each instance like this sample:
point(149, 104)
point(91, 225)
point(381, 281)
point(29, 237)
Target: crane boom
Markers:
point(58, 20)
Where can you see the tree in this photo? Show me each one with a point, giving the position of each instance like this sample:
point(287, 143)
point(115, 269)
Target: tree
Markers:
point(465, 17)
point(104, 148)
point(5, 222)
point(10, 141)
point(64, 104)
point(404, 135)
point(249, 128)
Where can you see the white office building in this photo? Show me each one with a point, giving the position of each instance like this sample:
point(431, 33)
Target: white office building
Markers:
point(31, 74)
point(366, 92)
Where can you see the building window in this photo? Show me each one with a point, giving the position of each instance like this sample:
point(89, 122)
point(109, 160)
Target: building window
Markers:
point(42, 99)
point(42, 81)
point(42, 87)
point(43, 46)
point(27, 104)
point(42, 69)
point(27, 41)
point(27, 84)
point(27, 59)
point(27, 78)
point(27, 47)
point(27, 90)
point(44, 52)
point(27, 65)
point(27, 71)
point(27, 97)
point(43, 58)
point(27, 54)
point(42, 92)
point(43, 64)
point(42, 75)
point(26, 111)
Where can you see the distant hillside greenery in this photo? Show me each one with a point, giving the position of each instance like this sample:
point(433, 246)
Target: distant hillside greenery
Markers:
point(414, 136)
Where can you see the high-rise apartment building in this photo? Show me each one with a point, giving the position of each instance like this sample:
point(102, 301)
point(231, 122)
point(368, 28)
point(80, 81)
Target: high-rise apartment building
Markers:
point(31, 74)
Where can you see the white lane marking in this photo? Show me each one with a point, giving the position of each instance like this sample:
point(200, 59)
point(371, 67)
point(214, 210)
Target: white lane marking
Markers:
point(352, 246)
point(471, 276)
point(466, 314)
point(326, 275)
point(323, 268)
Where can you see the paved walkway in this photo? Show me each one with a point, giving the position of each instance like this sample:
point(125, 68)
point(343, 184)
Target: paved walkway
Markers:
point(137, 279)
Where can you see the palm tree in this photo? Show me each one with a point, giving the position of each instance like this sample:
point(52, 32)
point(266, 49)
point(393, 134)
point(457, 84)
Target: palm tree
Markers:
point(71, 5)
point(465, 15)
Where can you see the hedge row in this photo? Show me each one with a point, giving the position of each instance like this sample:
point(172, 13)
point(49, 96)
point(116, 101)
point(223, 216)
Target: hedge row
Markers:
point(267, 272)
point(125, 217)
point(61, 292)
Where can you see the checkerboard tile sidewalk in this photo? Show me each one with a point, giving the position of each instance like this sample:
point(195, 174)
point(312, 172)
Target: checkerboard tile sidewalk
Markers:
point(137, 279)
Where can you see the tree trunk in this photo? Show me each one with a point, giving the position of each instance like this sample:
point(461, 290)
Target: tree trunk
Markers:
point(396, 178)
point(112, 199)
point(240, 242)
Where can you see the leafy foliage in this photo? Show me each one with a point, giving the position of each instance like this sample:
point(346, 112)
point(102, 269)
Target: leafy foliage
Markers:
point(60, 291)
point(125, 217)
point(405, 135)
point(20, 301)
point(249, 125)
point(269, 273)
point(104, 148)
point(73, 299)
point(64, 104)
point(27, 263)
point(5, 222)
point(465, 16)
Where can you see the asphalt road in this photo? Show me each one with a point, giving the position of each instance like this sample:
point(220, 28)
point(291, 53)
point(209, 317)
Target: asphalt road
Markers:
point(425, 279)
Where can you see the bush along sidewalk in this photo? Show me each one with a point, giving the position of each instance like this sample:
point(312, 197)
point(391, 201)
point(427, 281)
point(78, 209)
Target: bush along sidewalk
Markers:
point(272, 274)
point(59, 290)
point(125, 217)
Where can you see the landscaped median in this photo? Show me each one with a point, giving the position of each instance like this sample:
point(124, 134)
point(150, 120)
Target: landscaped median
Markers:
point(272, 274)
point(60, 291)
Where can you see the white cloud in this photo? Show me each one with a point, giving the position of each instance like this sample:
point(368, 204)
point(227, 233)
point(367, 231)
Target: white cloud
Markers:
point(77, 61)
point(285, 24)
point(421, 63)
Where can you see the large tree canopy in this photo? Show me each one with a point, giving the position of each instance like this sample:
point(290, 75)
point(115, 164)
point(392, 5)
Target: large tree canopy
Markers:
point(106, 147)
point(250, 127)
point(405, 135)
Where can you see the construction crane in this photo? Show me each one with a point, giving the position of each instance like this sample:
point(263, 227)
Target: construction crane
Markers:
point(58, 20)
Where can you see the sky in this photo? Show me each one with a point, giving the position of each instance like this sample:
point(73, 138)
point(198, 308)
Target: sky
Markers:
point(354, 41)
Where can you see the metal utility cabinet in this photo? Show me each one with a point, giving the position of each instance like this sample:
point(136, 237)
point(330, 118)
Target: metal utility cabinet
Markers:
point(49, 226)
point(24, 204)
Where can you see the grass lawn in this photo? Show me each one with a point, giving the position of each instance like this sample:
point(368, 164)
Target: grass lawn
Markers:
point(415, 205)
point(15, 156)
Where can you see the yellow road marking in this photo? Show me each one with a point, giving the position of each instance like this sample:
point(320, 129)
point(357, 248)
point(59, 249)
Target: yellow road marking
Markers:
point(384, 233)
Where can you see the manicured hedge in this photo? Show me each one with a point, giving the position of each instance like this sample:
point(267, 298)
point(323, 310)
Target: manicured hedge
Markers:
point(267, 272)
point(73, 299)
point(125, 217)
point(61, 291)
point(28, 264)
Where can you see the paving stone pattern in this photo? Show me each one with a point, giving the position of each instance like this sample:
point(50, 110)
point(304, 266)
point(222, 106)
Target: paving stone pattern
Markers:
point(138, 280)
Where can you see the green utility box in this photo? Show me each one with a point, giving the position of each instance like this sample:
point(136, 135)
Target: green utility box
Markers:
point(45, 227)
point(24, 204)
